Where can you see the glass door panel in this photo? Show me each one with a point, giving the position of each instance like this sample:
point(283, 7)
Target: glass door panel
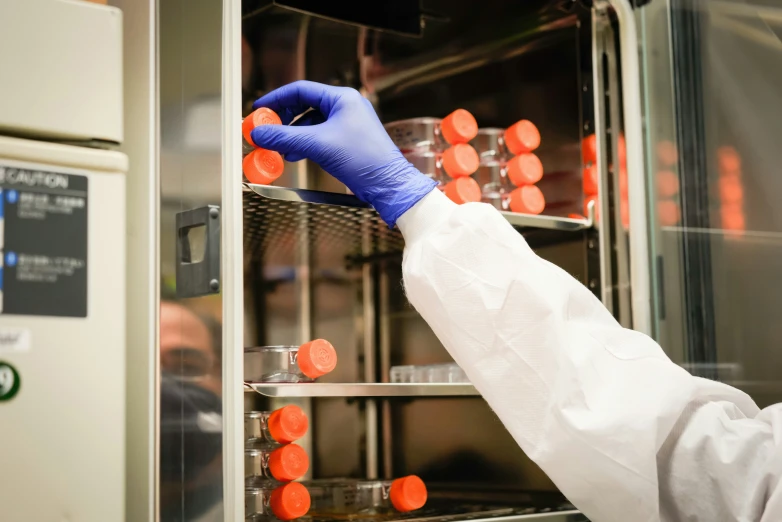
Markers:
point(712, 80)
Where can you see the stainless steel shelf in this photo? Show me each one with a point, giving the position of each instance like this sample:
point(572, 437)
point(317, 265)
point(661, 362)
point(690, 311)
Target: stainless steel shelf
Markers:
point(525, 221)
point(363, 390)
point(559, 516)
point(278, 221)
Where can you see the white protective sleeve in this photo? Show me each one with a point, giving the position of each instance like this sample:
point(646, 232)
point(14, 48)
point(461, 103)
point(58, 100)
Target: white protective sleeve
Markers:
point(626, 434)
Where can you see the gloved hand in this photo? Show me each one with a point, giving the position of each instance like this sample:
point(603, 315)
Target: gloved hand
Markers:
point(344, 136)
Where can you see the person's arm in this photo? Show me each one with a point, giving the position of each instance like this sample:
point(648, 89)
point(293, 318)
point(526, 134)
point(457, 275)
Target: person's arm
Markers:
point(622, 431)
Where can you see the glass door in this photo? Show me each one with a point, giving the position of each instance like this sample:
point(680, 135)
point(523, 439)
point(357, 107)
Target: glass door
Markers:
point(712, 77)
point(191, 359)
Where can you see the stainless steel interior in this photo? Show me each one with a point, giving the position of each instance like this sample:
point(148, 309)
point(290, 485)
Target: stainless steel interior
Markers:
point(319, 263)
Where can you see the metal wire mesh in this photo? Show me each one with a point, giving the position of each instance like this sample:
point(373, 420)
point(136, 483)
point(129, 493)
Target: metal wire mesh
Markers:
point(339, 229)
point(277, 228)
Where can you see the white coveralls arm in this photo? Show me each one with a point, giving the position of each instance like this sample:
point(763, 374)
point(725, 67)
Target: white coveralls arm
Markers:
point(626, 434)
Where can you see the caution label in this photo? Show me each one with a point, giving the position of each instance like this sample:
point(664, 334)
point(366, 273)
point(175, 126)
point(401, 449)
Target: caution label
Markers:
point(43, 243)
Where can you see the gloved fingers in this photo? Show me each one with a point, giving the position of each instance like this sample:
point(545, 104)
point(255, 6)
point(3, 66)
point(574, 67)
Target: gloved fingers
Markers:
point(296, 142)
point(288, 114)
point(312, 117)
point(291, 100)
point(293, 157)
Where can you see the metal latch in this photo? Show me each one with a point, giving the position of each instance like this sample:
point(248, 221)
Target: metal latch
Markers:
point(198, 252)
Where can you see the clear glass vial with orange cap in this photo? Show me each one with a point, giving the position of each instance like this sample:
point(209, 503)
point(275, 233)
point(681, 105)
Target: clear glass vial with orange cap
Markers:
point(527, 199)
point(498, 179)
point(494, 183)
point(281, 464)
point(457, 161)
point(463, 190)
point(303, 363)
point(433, 134)
point(493, 144)
point(343, 497)
point(451, 170)
point(281, 426)
point(285, 502)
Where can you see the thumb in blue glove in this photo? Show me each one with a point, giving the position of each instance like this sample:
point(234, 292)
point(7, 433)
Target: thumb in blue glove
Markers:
point(345, 138)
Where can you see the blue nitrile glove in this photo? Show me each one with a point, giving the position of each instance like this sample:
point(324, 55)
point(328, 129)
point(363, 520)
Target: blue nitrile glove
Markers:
point(344, 136)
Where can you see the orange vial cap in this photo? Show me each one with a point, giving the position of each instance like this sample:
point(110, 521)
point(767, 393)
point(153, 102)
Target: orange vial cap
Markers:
point(263, 166)
point(460, 160)
point(590, 180)
point(523, 136)
point(316, 358)
point(525, 169)
point(621, 151)
point(668, 213)
point(287, 424)
point(408, 493)
point(290, 501)
point(667, 183)
point(261, 116)
point(731, 189)
point(459, 127)
point(288, 463)
point(463, 190)
point(527, 200)
point(667, 154)
point(624, 188)
point(729, 161)
point(732, 217)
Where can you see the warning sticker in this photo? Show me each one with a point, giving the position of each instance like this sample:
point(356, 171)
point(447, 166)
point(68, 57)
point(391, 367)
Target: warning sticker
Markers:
point(10, 382)
point(43, 243)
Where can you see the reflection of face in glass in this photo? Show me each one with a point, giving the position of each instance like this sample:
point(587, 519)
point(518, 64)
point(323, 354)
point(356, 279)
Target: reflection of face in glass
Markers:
point(186, 347)
point(190, 416)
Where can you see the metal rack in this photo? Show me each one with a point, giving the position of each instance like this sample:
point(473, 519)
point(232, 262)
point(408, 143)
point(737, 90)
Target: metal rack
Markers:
point(279, 220)
point(370, 390)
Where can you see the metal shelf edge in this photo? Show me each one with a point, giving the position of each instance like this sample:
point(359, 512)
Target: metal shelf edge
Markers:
point(347, 200)
point(546, 222)
point(556, 516)
point(307, 196)
point(362, 390)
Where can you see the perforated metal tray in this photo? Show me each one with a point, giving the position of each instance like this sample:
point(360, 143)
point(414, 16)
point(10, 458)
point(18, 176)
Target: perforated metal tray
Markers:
point(279, 222)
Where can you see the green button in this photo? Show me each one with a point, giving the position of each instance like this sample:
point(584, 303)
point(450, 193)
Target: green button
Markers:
point(9, 381)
